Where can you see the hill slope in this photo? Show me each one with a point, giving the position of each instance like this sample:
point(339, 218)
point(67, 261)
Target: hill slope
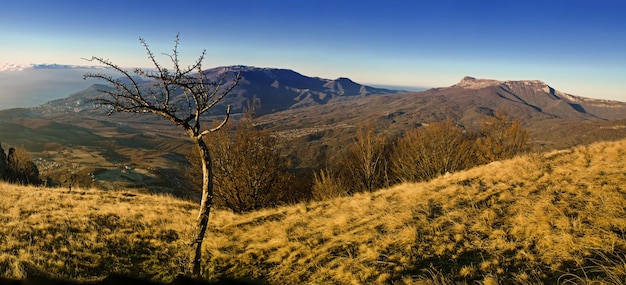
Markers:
point(537, 218)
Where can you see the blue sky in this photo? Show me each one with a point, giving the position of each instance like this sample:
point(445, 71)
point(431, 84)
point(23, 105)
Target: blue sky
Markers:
point(576, 46)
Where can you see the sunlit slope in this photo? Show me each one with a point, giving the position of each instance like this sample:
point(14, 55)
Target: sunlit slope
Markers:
point(529, 218)
point(88, 234)
point(538, 218)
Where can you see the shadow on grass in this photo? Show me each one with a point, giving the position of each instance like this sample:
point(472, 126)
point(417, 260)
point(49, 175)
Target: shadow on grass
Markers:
point(123, 280)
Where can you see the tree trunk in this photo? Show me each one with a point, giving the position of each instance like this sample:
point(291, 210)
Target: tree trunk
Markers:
point(205, 206)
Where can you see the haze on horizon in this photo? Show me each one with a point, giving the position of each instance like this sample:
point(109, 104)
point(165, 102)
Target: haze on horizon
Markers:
point(575, 46)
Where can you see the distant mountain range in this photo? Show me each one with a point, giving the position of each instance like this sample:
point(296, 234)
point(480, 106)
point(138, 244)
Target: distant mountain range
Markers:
point(290, 100)
point(471, 99)
point(277, 90)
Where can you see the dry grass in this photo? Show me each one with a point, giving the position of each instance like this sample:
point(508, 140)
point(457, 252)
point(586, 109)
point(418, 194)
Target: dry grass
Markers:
point(87, 234)
point(558, 217)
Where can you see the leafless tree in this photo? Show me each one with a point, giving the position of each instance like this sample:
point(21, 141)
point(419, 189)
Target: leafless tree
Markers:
point(367, 160)
point(182, 95)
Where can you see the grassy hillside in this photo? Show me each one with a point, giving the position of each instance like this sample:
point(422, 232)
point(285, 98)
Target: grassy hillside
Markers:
point(558, 217)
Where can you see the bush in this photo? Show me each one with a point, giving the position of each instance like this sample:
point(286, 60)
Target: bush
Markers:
point(249, 169)
point(327, 186)
point(363, 166)
point(501, 137)
point(18, 167)
point(430, 151)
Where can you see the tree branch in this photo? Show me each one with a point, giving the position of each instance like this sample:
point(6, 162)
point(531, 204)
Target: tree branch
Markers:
point(206, 132)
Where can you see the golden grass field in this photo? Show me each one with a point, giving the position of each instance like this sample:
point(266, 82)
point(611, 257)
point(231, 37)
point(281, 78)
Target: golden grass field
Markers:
point(554, 218)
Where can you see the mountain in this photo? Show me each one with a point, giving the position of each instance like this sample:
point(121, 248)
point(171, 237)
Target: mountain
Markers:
point(277, 90)
point(542, 108)
point(542, 98)
point(470, 99)
point(282, 89)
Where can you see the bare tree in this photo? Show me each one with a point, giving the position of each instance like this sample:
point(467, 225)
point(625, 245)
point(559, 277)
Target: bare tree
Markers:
point(366, 160)
point(182, 96)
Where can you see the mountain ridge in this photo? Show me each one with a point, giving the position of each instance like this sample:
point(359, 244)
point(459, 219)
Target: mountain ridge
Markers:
point(280, 89)
point(476, 83)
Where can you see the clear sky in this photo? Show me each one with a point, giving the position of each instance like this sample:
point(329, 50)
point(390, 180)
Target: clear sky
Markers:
point(576, 46)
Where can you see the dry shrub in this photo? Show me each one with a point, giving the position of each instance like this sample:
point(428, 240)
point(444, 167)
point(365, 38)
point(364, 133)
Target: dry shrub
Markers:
point(430, 151)
point(20, 167)
point(369, 155)
point(326, 186)
point(501, 137)
point(363, 166)
point(250, 170)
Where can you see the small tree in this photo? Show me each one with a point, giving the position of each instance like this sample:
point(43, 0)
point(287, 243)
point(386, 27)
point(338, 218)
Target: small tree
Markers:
point(363, 166)
point(181, 95)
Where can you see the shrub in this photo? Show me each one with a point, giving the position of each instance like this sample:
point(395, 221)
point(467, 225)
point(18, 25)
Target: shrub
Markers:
point(19, 167)
point(501, 137)
point(430, 151)
point(249, 169)
point(327, 186)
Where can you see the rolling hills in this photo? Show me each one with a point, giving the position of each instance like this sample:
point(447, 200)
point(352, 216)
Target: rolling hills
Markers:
point(555, 217)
